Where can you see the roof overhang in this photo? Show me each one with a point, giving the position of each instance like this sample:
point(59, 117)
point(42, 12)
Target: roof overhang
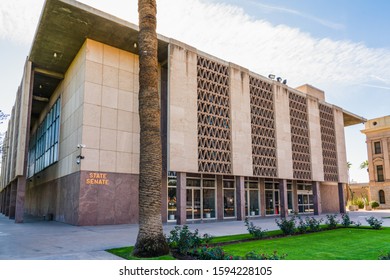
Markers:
point(352, 119)
point(63, 27)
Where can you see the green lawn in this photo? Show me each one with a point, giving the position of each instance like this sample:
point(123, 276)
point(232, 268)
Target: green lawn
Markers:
point(340, 244)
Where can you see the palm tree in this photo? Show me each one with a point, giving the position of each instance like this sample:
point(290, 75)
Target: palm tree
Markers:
point(349, 190)
point(364, 164)
point(151, 241)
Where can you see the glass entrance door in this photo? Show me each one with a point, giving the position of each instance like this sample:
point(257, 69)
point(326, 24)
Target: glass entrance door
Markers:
point(305, 203)
point(272, 202)
point(193, 204)
point(305, 198)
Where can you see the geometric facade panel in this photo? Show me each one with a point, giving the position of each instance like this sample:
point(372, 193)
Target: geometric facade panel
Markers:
point(300, 141)
point(214, 135)
point(328, 139)
point(263, 128)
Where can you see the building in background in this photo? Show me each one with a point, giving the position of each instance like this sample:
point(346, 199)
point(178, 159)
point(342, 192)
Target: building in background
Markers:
point(235, 144)
point(377, 132)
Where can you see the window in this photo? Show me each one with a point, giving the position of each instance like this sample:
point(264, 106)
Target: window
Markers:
point(201, 197)
point(377, 148)
point(43, 149)
point(305, 198)
point(272, 205)
point(252, 197)
point(379, 173)
point(172, 181)
point(382, 197)
point(229, 198)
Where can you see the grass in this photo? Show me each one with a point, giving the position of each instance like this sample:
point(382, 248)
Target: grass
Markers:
point(240, 237)
point(340, 244)
point(126, 253)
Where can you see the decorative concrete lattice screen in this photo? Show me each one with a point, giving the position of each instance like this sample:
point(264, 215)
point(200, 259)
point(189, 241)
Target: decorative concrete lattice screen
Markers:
point(263, 128)
point(214, 137)
point(300, 142)
point(328, 138)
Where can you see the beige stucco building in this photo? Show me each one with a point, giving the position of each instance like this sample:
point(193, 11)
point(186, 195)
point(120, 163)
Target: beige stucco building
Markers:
point(235, 143)
point(377, 133)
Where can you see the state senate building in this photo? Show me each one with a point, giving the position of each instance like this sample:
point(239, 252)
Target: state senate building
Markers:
point(235, 144)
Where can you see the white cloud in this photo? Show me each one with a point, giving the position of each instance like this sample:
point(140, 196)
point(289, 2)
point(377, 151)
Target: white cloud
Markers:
point(230, 34)
point(227, 32)
point(326, 23)
point(18, 19)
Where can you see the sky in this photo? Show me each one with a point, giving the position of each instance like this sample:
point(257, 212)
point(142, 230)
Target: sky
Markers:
point(339, 46)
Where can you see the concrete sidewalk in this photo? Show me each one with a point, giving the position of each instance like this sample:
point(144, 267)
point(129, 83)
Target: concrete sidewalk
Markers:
point(49, 240)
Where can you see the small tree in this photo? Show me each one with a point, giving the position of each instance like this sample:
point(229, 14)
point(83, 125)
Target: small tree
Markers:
point(364, 165)
point(3, 117)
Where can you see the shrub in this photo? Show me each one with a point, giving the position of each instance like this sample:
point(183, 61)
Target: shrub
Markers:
point(255, 256)
point(313, 224)
point(345, 220)
point(302, 226)
point(332, 221)
point(384, 256)
point(374, 222)
point(217, 253)
point(184, 240)
point(255, 231)
point(357, 224)
point(287, 226)
point(374, 204)
point(210, 253)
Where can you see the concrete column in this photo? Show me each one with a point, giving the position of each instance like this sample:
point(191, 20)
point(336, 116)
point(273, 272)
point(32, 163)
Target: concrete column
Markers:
point(341, 197)
point(182, 108)
point(317, 198)
point(386, 159)
point(12, 200)
point(181, 198)
point(164, 198)
point(295, 196)
point(316, 158)
point(164, 143)
point(340, 144)
point(283, 198)
point(283, 132)
point(220, 206)
point(7, 200)
point(20, 196)
point(240, 198)
point(371, 169)
point(1, 201)
point(262, 197)
point(240, 120)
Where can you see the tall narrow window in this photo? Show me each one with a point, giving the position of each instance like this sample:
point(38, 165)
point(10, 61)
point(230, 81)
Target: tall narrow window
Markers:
point(377, 148)
point(379, 173)
point(382, 197)
point(172, 182)
point(44, 149)
point(229, 198)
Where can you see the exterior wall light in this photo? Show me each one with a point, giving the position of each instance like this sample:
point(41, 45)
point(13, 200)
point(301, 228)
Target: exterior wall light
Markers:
point(80, 156)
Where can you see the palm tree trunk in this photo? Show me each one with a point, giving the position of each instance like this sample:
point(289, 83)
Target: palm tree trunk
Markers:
point(150, 241)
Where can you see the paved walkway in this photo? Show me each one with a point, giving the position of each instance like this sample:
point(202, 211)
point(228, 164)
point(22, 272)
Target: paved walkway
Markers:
point(43, 240)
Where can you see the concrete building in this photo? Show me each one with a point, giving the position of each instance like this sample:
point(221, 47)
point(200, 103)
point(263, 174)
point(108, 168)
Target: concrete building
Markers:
point(235, 143)
point(377, 133)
